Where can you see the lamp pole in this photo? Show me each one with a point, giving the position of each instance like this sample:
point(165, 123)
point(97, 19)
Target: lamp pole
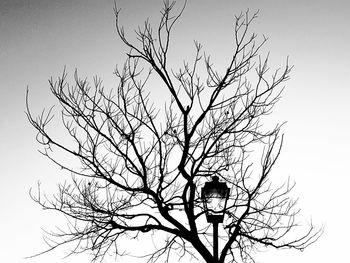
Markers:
point(215, 241)
point(214, 196)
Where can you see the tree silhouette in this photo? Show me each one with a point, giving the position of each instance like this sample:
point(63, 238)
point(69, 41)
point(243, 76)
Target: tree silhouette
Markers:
point(141, 166)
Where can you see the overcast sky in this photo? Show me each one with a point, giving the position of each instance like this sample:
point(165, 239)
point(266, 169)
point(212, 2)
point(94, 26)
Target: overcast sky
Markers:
point(39, 37)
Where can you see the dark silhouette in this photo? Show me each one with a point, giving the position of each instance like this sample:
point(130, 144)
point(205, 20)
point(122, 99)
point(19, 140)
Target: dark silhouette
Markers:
point(142, 165)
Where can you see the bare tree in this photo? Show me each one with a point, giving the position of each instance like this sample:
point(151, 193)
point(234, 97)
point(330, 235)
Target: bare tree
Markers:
point(141, 167)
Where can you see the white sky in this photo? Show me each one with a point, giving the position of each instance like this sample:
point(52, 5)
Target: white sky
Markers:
point(39, 37)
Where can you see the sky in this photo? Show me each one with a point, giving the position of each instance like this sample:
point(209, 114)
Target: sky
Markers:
point(38, 38)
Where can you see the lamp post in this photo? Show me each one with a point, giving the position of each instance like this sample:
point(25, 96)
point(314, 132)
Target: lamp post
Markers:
point(214, 196)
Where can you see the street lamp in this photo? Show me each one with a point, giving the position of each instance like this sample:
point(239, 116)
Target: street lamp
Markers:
point(214, 196)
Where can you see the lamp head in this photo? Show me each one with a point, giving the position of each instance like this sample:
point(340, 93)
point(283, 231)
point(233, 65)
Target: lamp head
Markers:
point(214, 196)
